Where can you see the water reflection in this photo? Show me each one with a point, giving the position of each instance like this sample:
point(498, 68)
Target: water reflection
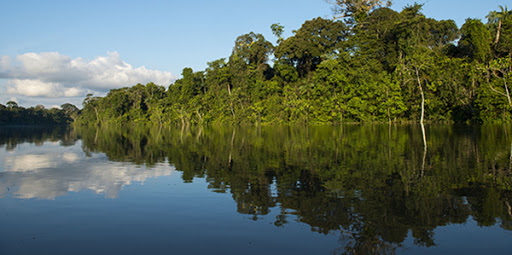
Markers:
point(10, 137)
point(49, 170)
point(375, 186)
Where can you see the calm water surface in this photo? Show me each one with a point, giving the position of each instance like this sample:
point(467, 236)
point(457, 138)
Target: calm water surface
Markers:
point(248, 190)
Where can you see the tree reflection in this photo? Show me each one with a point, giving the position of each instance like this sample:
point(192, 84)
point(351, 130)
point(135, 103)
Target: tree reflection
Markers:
point(10, 137)
point(373, 185)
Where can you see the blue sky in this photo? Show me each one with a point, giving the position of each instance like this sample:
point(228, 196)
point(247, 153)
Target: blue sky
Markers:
point(54, 52)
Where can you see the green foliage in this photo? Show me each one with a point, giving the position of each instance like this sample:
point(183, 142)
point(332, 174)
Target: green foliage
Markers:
point(355, 11)
point(493, 97)
point(500, 25)
point(138, 104)
point(315, 40)
point(277, 30)
point(375, 65)
point(475, 41)
point(13, 114)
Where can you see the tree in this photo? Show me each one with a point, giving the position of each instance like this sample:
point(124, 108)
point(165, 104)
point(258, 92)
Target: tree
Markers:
point(314, 41)
point(419, 40)
point(475, 41)
point(251, 49)
point(376, 38)
point(355, 11)
point(495, 19)
point(12, 104)
point(500, 23)
point(277, 30)
point(70, 110)
point(91, 108)
point(502, 69)
point(248, 70)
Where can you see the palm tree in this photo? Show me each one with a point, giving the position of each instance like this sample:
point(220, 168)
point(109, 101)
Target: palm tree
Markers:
point(495, 18)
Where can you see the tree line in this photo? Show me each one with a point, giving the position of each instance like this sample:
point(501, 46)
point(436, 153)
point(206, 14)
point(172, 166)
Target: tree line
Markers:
point(13, 114)
point(368, 64)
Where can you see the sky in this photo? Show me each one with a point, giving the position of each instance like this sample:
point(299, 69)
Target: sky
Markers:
point(55, 52)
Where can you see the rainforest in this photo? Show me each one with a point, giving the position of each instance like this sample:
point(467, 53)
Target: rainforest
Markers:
point(376, 131)
point(368, 64)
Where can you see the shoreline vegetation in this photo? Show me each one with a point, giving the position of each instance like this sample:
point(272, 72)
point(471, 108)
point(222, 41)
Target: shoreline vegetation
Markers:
point(370, 64)
point(14, 115)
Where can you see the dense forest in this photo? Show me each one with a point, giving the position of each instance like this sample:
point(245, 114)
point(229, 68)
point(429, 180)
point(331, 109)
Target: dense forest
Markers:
point(13, 114)
point(368, 64)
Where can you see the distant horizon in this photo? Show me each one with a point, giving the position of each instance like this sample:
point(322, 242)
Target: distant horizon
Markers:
point(58, 52)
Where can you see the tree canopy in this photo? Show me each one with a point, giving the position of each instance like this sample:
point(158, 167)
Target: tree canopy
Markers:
point(13, 114)
point(373, 64)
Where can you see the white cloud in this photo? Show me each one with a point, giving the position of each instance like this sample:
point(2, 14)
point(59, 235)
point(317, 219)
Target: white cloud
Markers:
point(5, 62)
point(50, 74)
point(52, 170)
point(38, 88)
point(45, 64)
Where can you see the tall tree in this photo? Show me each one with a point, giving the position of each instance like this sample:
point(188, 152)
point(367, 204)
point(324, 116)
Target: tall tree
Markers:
point(277, 30)
point(312, 43)
point(496, 18)
point(91, 109)
point(475, 41)
point(419, 40)
point(252, 49)
point(355, 11)
point(500, 22)
point(376, 38)
point(12, 104)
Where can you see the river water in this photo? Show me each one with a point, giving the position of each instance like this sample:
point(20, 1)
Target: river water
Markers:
point(352, 189)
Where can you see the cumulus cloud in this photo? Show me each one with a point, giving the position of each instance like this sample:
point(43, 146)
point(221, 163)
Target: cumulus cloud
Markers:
point(51, 74)
point(38, 88)
point(5, 62)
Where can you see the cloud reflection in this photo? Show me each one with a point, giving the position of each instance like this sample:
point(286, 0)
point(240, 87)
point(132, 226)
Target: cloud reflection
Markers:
point(51, 171)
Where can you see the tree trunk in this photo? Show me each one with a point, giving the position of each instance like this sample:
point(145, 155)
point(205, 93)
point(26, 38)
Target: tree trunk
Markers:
point(389, 117)
point(231, 102)
point(421, 122)
point(422, 105)
point(422, 96)
point(97, 116)
point(182, 117)
point(232, 111)
point(200, 117)
point(387, 99)
point(506, 89)
point(498, 33)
